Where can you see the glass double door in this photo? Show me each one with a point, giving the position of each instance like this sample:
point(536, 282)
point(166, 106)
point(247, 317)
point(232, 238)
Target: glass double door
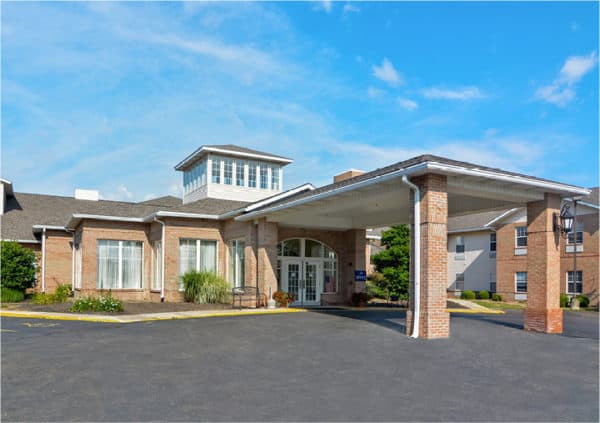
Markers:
point(303, 280)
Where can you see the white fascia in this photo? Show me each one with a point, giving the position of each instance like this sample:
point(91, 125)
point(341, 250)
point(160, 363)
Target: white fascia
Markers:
point(553, 186)
point(335, 191)
point(183, 214)
point(40, 228)
point(502, 216)
point(198, 152)
point(377, 237)
point(24, 241)
point(76, 218)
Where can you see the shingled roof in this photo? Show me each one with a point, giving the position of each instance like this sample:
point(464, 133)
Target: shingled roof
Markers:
point(231, 149)
point(24, 210)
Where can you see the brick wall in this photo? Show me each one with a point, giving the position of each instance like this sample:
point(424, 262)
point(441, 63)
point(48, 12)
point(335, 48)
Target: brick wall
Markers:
point(507, 263)
point(59, 268)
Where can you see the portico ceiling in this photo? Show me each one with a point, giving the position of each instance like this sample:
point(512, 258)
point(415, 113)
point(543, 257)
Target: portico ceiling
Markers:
point(380, 198)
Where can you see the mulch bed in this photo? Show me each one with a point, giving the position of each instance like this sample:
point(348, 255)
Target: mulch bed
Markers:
point(129, 307)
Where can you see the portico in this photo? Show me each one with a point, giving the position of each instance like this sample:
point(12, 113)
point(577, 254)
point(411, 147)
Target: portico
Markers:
point(423, 192)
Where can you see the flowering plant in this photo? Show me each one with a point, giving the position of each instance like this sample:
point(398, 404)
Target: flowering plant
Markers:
point(283, 298)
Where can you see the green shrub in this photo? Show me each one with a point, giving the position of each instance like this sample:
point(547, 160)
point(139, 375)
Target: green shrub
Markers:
point(204, 287)
point(17, 266)
point(483, 295)
point(496, 297)
point(11, 295)
point(42, 298)
point(467, 295)
point(584, 301)
point(564, 300)
point(62, 292)
point(375, 291)
point(104, 302)
point(60, 295)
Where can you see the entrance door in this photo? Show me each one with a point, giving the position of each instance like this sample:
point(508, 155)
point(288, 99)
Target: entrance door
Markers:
point(302, 279)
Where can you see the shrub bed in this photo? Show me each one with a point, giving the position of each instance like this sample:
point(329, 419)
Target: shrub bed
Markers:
point(60, 295)
point(104, 303)
point(564, 300)
point(204, 287)
point(584, 301)
point(496, 297)
point(11, 295)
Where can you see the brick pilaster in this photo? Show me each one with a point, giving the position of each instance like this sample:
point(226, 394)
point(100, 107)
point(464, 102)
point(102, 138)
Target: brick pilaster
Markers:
point(434, 321)
point(543, 313)
point(267, 256)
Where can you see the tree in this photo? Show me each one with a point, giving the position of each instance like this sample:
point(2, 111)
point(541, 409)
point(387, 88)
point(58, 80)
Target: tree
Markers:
point(17, 266)
point(393, 262)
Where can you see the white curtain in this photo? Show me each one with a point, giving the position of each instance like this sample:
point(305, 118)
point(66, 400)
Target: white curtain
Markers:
point(132, 264)
point(208, 256)
point(108, 264)
point(187, 258)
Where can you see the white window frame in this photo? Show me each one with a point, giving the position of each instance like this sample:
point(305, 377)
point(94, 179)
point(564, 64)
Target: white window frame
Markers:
point(275, 185)
point(517, 237)
point(215, 171)
point(240, 164)
point(493, 242)
point(265, 169)
point(459, 255)
point(157, 267)
point(78, 264)
point(120, 266)
point(228, 170)
point(252, 172)
point(456, 279)
point(580, 283)
point(232, 247)
point(516, 283)
point(197, 267)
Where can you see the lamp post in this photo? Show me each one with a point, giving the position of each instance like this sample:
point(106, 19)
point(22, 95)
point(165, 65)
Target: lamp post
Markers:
point(565, 224)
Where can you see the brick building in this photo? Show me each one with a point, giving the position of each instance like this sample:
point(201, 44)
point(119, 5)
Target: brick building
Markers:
point(235, 219)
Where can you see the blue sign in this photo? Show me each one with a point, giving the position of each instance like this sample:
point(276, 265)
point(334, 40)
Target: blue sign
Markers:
point(360, 275)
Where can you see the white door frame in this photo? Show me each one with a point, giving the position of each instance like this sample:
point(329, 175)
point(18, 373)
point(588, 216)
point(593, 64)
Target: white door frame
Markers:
point(300, 296)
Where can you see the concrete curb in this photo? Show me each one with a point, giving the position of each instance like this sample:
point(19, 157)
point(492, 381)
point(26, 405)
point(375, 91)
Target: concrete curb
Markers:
point(135, 318)
point(473, 311)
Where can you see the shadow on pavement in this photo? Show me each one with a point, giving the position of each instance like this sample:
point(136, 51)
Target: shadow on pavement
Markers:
point(394, 320)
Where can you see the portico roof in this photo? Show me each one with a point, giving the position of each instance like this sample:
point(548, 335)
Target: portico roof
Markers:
point(380, 198)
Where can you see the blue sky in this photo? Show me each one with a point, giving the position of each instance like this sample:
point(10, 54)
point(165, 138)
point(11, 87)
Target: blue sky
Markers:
point(110, 96)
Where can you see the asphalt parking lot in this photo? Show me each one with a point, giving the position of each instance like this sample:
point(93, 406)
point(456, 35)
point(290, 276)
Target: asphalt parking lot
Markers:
point(332, 366)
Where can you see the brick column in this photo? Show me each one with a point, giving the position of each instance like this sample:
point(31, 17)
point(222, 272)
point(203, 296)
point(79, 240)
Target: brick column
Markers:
point(543, 313)
point(267, 256)
point(357, 254)
point(434, 320)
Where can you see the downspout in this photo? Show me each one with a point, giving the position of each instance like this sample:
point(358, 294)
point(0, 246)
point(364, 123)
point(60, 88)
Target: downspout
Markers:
point(72, 262)
point(44, 260)
point(417, 255)
point(162, 266)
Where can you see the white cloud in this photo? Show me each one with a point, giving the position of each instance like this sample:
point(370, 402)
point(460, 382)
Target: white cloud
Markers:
point(407, 104)
point(562, 90)
point(121, 194)
point(387, 73)
point(375, 92)
point(324, 5)
point(462, 94)
point(350, 8)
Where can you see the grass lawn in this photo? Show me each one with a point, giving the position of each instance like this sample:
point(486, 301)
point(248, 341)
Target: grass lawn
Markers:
point(499, 305)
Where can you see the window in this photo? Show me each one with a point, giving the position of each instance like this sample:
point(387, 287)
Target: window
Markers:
point(252, 175)
point(194, 177)
point(493, 242)
point(227, 171)
point(236, 263)
point(119, 264)
point(216, 171)
point(196, 254)
point(459, 283)
point(521, 236)
point(239, 173)
point(521, 281)
point(264, 177)
point(156, 266)
point(459, 248)
point(275, 178)
point(578, 235)
point(578, 287)
point(78, 266)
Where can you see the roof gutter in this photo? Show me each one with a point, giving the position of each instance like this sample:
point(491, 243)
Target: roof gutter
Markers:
point(326, 194)
point(483, 228)
point(417, 253)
